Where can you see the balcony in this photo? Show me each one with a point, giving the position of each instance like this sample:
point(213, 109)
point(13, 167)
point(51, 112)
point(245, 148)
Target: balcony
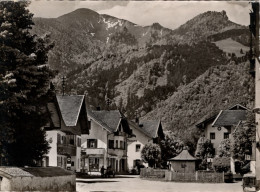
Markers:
point(95, 151)
point(117, 152)
point(65, 149)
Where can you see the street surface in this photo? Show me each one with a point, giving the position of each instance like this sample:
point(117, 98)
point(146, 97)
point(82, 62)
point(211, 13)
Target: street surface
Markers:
point(135, 184)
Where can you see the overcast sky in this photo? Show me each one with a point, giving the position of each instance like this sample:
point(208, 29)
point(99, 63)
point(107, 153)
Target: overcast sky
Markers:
point(169, 14)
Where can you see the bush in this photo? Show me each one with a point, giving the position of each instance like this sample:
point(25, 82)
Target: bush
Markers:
point(221, 164)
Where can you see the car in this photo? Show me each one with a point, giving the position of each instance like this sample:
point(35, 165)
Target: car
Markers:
point(109, 172)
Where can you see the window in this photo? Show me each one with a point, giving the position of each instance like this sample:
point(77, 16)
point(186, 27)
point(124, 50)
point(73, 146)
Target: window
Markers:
point(116, 144)
point(137, 147)
point(72, 163)
point(79, 142)
point(92, 143)
point(111, 144)
point(63, 138)
point(93, 164)
point(212, 135)
point(121, 145)
point(59, 161)
point(58, 139)
point(226, 135)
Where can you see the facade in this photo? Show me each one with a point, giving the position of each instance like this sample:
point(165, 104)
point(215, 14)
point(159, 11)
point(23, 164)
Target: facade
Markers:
point(68, 120)
point(106, 144)
point(145, 131)
point(183, 163)
point(221, 126)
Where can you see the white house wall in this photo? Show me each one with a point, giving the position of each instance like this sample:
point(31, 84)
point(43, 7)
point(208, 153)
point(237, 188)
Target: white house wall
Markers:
point(140, 139)
point(51, 137)
point(219, 135)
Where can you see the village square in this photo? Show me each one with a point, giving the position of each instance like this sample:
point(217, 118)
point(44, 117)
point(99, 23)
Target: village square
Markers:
point(54, 137)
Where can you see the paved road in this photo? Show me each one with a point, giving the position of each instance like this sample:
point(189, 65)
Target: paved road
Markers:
point(135, 184)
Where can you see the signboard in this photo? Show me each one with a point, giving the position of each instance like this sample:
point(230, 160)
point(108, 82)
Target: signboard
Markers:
point(68, 163)
point(248, 157)
point(209, 160)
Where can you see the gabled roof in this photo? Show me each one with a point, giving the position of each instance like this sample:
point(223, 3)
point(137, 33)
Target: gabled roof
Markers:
point(110, 120)
point(213, 117)
point(150, 127)
point(70, 106)
point(184, 155)
point(229, 118)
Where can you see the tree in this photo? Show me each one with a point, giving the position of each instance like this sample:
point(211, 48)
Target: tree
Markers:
point(171, 146)
point(244, 136)
point(151, 154)
point(204, 150)
point(224, 149)
point(24, 87)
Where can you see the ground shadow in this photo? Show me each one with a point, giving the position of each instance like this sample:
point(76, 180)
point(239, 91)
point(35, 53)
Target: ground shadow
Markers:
point(95, 181)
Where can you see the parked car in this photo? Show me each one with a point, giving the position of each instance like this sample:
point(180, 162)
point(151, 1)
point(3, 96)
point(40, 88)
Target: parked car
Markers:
point(109, 171)
point(249, 183)
point(228, 177)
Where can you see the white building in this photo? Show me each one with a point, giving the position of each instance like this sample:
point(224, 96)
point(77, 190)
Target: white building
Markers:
point(145, 131)
point(106, 144)
point(68, 120)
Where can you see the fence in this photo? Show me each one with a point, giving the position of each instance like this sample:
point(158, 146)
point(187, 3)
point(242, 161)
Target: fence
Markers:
point(198, 176)
point(152, 173)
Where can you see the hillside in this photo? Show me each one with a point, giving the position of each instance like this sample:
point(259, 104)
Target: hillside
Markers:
point(218, 88)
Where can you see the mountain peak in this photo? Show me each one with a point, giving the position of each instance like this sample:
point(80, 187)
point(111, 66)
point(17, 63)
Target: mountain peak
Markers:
point(156, 26)
point(82, 12)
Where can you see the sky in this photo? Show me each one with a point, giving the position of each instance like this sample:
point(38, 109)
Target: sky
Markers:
point(170, 14)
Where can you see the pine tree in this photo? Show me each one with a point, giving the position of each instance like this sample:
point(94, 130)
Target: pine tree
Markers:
point(24, 87)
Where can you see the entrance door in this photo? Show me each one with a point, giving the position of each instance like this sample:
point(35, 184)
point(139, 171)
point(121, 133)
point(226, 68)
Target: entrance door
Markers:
point(93, 164)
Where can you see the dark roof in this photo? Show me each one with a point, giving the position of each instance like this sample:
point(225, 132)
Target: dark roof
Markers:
point(213, 117)
point(70, 106)
point(184, 155)
point(149, 127)
point(109, 119)
point(229, 118)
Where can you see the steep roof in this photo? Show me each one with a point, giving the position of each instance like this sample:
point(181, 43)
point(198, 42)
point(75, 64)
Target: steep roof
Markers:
point(70, 106)
point(212, 118)
point(229, 118)
point(109, 119)
point(149, 127)
point(184, 155)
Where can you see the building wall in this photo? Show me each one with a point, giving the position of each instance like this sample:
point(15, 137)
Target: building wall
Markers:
point(96, 132)
point(140, 139)
point(219, 135)
point(51, 136)
point(177, 166)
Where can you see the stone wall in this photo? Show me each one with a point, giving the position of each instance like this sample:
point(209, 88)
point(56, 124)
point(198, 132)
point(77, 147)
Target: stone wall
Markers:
point(60, 183)
point(152, 173)
point(198, 176)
